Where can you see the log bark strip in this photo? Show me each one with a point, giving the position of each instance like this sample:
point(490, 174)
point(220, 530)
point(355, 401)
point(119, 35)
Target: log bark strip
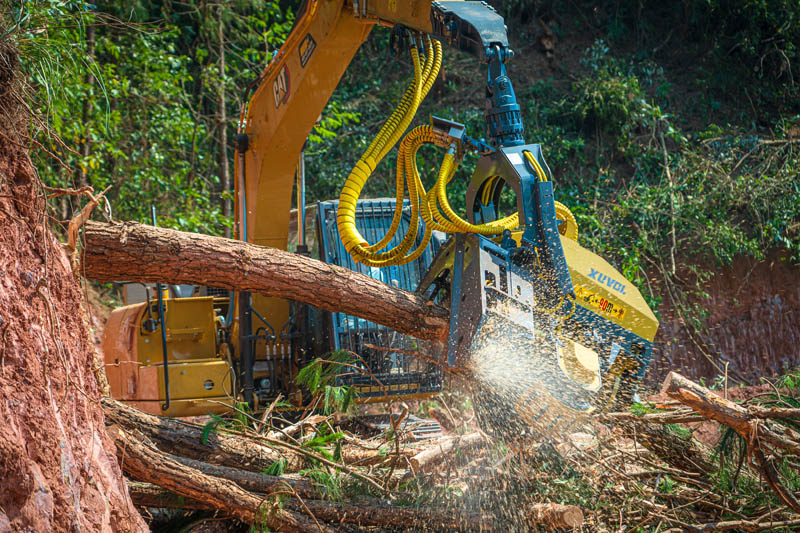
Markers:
point(147, 464)
point(551, 515)
point(179, 438)
point(438, 451)
point(136, 252)
point(252, 481)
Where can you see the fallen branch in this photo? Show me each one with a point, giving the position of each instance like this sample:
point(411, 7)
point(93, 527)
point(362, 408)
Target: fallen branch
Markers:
point(711, 406)
point(138, 252)
point(147, 464)
point(778, 413)
point(740, 525)
point(752, 429)
point(676, 416)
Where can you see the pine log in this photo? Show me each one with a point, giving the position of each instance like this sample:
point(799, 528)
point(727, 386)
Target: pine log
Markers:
point(185, 441)
point(352, 455)
point(252, 481)
point(437, 452)
point(550, 515)
point(148, 464)
point(136, 252)
point(179, 438)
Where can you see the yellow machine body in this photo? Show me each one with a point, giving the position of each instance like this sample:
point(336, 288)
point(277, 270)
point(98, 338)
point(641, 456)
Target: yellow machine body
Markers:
point(200, 379)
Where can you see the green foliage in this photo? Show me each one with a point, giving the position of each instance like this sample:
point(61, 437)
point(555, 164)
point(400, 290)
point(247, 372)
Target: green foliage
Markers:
point(667, 485)
point(331, 483)
point(319, 377)
point(277, 468)
point(239, 422)
point(136, 105)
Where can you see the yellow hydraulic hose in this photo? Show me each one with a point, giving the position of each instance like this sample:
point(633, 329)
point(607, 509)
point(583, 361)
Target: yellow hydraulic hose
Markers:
point(571, 229)
point(431, 206)
point(355, 244)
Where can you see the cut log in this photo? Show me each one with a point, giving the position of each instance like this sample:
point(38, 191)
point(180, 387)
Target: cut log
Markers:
point(179, 438)
point(252, 481)
point(550, 515)
point(436, 453)
point(148, 464)
point(136, 252)
point(554, 515)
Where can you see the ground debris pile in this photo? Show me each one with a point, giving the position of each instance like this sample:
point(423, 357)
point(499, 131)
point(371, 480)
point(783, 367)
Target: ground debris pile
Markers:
point(641, 470)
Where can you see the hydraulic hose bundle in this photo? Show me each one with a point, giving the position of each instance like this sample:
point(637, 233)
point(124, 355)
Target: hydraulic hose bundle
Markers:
point(431, 206)
point(424, 75)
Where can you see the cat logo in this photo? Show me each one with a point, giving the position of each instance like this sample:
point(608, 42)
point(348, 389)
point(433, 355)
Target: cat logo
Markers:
point(280, 87)
point(307, 48)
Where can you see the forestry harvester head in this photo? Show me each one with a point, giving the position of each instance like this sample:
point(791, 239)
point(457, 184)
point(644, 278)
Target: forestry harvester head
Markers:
point(547, 330)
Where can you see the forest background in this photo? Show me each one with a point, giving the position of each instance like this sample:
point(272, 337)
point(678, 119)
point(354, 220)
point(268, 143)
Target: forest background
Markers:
point(672, 128)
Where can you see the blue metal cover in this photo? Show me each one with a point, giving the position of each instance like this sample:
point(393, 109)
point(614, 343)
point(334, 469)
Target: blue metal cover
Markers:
point(407, 374)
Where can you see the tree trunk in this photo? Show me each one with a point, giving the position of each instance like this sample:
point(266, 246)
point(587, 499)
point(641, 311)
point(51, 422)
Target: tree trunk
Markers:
point(83, 179)
point(549, 515)
point(179, 438)
point(57, 466)
point(137, 252)
point(225, 178)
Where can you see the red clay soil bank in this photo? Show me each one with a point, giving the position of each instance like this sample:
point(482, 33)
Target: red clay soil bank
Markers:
point(58, 471)
point(754, 324)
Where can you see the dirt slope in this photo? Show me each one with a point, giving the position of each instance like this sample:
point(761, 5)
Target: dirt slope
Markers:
point(753, 324)
point(57, 467)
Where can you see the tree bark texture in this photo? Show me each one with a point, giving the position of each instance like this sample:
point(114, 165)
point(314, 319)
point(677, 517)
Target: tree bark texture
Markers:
point(136, 252)
point(225, 177)
point(179, 438)
point(550, 515)
point(148, 464)
point(436, 453)
point(252, 481)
